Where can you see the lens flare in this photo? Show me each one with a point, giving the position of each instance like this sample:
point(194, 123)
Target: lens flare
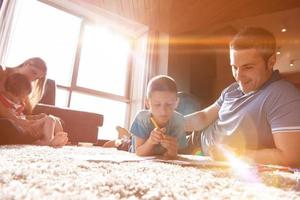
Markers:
point(240, 168)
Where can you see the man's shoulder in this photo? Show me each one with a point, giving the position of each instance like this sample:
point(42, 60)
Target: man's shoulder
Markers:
point(283, 87)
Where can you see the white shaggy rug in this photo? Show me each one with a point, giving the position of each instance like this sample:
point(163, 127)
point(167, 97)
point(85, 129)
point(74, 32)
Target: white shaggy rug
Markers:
point(36, 172)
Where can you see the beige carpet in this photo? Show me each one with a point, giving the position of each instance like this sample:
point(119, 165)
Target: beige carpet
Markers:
point(33, 172)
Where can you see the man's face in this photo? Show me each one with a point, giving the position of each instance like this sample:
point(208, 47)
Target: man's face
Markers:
point(249, 69)
point(162, 105)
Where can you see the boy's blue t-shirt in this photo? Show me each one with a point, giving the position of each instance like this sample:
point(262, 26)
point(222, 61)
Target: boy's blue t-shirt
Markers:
point(142, 127)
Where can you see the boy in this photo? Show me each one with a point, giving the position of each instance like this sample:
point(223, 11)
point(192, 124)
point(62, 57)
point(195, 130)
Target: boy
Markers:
point(17, 88)
point(159, 130)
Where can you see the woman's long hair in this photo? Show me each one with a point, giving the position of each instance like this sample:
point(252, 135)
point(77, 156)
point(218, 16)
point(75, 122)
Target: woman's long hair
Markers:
point(38, 85)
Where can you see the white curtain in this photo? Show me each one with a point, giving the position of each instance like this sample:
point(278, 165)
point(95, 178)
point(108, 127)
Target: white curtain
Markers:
point(6, 16)
point(145, 65)
point(152, 59)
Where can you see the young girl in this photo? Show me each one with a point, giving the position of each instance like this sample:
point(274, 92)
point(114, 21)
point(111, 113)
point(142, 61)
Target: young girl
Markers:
point(16, 88)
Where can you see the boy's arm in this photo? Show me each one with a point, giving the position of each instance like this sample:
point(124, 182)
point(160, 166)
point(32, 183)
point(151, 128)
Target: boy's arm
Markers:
point(170, 144)
point(146, 147)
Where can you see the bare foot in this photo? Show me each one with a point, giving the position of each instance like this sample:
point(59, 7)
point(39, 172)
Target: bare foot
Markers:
point(122, 132)
point(109, 144)
point(60, 139)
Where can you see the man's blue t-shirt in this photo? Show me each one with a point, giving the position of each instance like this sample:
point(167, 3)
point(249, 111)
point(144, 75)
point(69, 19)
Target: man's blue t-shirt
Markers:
point(249, 120)
point(142, 127)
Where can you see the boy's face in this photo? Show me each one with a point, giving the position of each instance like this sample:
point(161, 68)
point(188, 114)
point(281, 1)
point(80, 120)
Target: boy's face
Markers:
point(162, 105)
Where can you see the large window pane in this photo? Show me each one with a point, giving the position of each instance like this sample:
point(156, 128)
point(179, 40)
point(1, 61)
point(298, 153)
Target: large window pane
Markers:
point(114, 112)
point(41, 30)
point(103, 61)
point(61, 97)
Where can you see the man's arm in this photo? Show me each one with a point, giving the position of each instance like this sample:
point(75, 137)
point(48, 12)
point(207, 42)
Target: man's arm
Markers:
point(286, 153)
point(201, 119)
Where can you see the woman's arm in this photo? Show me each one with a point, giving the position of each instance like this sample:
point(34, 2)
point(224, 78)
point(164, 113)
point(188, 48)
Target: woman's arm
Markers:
point(23, 124)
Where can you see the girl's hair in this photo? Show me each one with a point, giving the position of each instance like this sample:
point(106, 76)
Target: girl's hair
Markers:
point(161, 83)
point(257, 38)
point(38, 85)
point(17, 84)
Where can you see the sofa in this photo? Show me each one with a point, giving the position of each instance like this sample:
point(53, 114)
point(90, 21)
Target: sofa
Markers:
point(81, 126)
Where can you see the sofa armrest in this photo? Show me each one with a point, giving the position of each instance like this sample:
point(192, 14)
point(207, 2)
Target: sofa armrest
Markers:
point(81, 126)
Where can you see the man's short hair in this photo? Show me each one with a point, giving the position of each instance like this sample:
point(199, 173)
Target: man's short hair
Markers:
point(255, 37)
point(161, 83)
point(17, 84)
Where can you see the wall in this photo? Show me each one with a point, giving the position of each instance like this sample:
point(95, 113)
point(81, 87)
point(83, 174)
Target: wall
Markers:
point(197, 71)
point(200, 64)
point(179, 68)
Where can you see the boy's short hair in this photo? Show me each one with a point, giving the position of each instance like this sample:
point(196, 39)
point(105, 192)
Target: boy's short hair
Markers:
point(255, 37)
point(17, 84)
point(161, 83)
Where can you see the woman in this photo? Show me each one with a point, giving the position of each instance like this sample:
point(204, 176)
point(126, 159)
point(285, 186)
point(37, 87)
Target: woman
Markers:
point(35, 70)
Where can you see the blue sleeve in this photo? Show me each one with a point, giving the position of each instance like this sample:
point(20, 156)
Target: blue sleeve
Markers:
point(181, 137)
point(138, 128)
point(178, 131)
point(220, 100)
point(284, 109)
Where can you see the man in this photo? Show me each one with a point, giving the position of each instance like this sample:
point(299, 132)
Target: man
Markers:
point(258, 116)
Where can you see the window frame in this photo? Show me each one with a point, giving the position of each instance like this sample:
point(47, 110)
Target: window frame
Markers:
point(87, 17)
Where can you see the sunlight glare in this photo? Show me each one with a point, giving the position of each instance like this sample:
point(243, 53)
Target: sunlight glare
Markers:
point(240, 168)
point(104, 60)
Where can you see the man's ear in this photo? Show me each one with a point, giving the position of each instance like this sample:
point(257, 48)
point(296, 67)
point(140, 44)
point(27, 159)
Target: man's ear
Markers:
point(272, 61)
point(147, 104)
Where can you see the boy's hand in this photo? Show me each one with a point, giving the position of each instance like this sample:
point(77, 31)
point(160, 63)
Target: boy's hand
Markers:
point(156, 136)
point(170, 144)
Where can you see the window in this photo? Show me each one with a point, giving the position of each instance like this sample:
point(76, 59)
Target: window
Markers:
point(104, 60)
point(89, 62)
point(48, 33)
